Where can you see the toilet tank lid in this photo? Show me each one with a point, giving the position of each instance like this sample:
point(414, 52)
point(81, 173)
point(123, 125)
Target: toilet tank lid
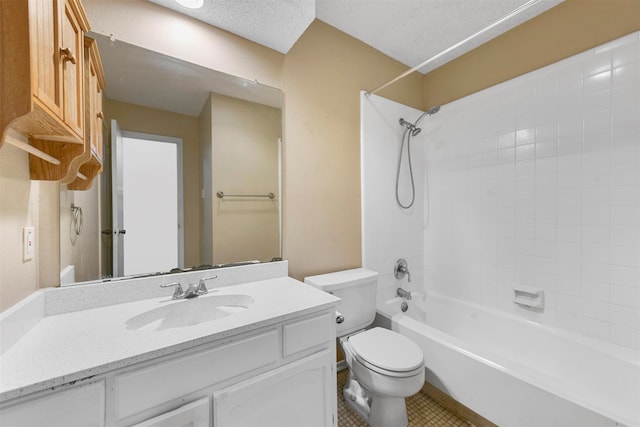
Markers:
point(339, 279)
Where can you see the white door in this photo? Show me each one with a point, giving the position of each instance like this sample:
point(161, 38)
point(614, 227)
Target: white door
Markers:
point(147, 203)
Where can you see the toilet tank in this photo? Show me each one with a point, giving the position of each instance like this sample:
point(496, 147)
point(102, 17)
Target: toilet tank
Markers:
point(356, 289)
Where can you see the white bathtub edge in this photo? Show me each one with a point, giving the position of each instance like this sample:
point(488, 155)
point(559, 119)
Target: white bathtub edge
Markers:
point(593, 402)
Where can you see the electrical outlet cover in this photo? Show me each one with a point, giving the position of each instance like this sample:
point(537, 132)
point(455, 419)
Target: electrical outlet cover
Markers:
point(28, 243)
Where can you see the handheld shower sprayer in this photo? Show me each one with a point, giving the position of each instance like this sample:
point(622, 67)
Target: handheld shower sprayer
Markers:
point(431, 111)
point(413, 127)
point(412, 130)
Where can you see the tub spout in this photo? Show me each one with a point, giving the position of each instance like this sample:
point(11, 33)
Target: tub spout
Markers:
point(403, 294)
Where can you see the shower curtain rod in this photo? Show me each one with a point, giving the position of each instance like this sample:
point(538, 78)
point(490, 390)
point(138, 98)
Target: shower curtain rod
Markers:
point(508, 16)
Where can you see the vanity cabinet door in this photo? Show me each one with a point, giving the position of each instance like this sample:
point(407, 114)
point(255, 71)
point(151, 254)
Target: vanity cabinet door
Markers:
point(194, 414)
point(298, 394)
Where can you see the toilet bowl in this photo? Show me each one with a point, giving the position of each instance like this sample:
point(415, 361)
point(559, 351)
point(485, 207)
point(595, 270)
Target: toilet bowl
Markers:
point(389, 367)
point(384, 366)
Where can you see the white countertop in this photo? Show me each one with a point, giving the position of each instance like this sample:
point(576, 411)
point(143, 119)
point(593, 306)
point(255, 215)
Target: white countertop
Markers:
point(72, 346)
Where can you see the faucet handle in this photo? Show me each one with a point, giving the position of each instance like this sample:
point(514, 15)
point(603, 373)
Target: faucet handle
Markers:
point(202, 289)
point(178, 293)
point(401, 269)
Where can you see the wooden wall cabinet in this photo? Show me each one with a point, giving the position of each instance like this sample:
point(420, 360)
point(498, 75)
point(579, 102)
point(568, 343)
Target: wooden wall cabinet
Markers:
point(83, 171)
point(42, 80)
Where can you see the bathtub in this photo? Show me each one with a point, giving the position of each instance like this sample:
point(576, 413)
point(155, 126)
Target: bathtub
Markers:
point(516, 372)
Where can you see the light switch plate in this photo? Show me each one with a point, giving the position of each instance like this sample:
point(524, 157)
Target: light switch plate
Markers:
point(28, 243)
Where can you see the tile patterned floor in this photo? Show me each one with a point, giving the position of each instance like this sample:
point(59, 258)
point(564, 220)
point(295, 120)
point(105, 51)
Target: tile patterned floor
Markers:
point(421, 410)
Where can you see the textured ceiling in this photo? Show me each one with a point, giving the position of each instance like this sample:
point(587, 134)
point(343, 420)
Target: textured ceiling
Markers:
point(410, 31)
point(273, 23)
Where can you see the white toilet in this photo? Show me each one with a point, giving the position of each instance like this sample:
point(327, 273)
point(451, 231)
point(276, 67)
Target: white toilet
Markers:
point(384, 366)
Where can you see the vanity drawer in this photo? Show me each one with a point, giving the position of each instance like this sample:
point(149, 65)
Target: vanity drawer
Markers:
point(306, 334)
point(145, 388)
point(79, 406)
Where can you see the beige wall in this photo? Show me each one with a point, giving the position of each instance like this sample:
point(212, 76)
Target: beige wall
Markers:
point(148, 120)
point(144, 24)
point(567, 29)
point(25, 203)
point(245, 161)
point(82, 251)
point(323, 75)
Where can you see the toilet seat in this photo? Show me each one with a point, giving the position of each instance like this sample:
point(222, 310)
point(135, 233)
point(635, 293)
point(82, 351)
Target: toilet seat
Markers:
point(387, 352)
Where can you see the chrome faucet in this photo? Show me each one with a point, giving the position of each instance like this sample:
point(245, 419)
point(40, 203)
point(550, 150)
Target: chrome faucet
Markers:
point(401, 268)
point(202, 289)
point(192, 290)
point(403, 294)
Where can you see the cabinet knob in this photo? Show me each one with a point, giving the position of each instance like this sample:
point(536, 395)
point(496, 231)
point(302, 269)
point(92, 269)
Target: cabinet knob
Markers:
point(67, 55)
point(100, 115)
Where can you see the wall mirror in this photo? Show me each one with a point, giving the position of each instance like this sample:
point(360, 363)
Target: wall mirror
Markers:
point(220, 190)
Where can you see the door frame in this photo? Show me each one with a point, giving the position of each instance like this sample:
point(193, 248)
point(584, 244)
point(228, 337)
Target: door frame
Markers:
point(117, 169)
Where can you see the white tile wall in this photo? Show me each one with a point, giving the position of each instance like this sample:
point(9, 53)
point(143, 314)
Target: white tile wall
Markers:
point(389, 232)
point(535, 182)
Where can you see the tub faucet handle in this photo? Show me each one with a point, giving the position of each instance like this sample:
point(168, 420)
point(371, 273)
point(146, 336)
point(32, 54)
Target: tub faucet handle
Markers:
point(401, 268)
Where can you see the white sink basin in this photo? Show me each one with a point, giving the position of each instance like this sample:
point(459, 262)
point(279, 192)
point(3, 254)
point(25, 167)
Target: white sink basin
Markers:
point(189, 312)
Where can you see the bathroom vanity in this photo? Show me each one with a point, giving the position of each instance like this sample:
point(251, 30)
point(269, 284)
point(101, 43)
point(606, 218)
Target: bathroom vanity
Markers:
point(256, 353)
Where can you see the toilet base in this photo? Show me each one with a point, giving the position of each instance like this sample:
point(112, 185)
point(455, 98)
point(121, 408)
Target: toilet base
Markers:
point(377, 411)
point(388, 411)
point(356, 398)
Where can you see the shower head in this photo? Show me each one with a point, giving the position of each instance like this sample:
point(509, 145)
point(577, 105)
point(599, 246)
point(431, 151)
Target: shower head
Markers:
point(410, 127)
point(413, 127)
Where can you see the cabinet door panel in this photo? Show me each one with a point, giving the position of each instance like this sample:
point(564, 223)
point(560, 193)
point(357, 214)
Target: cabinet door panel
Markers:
point(72, 39)
point(299, 394)
point(98, 116)
point(194, 414)
point(47, 81)
point(92, 93)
